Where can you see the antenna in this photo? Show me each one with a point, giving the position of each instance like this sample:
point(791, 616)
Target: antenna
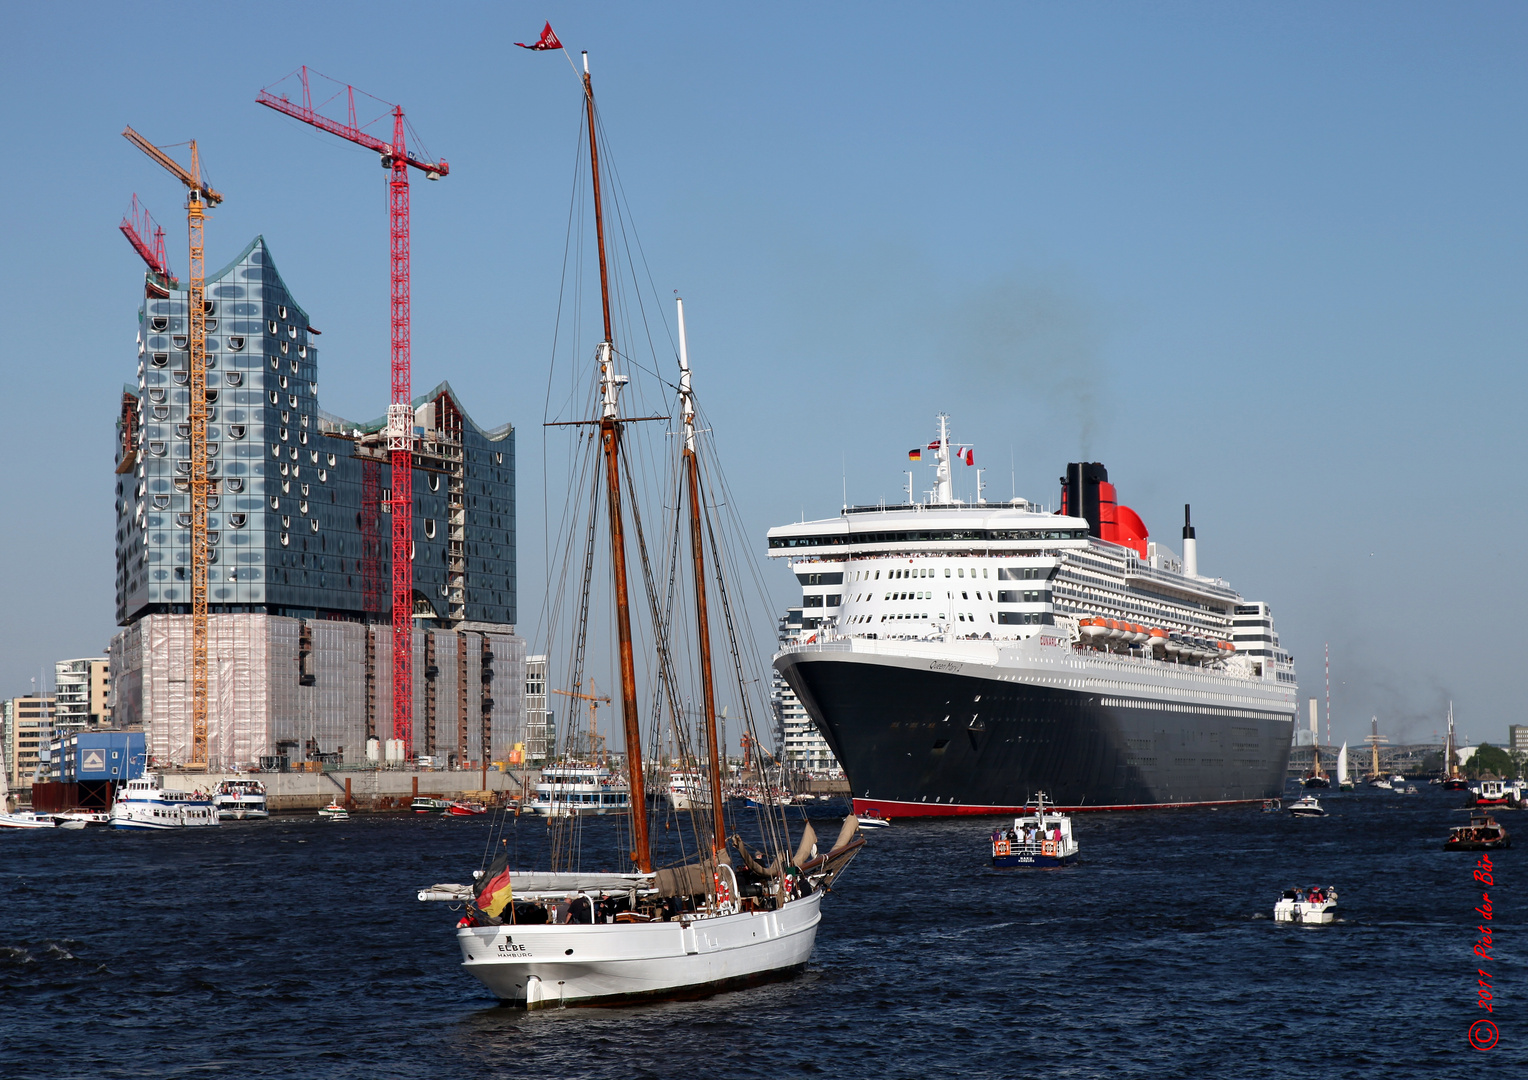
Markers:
point(1329, 693)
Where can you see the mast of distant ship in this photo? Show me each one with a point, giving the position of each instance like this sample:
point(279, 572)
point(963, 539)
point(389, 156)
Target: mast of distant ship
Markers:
point(610, 439)
point(1449, 768)
point(698, 564)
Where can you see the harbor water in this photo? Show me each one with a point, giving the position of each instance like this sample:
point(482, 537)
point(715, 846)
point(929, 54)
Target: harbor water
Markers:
point(296, 948)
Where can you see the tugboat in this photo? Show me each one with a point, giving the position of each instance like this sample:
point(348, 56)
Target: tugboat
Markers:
point(1037, 838)
point(1309, 806)
point(1494, 792)
point(1315, 905)
point(1481, 834)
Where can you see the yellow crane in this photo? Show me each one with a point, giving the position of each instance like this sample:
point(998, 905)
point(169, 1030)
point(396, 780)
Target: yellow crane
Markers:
point(596, 741)
point(199, 196)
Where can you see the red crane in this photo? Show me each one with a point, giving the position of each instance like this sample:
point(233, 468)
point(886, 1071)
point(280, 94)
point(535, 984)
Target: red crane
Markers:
point(400, 414)
point(147, 239)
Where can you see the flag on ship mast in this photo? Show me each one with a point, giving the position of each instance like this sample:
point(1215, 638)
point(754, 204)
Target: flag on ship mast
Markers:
point(548, 41)
point(497, 891)
point(915, 455)
point(970, 457)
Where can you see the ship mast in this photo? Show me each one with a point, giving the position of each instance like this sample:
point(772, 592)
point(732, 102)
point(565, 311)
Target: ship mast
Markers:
point(610, 440)
point(1450, 770)
point(698, 565)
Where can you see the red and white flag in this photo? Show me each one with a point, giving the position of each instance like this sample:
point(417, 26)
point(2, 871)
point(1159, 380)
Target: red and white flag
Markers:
point(970, 457)
point(548, 41)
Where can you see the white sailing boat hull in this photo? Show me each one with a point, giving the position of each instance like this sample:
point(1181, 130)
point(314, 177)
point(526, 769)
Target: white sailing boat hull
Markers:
point(549, 966)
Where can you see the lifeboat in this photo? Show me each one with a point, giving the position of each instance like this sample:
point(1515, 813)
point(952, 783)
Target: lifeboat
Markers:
point(1173, 646)
point(1158, 638)
point(1093, 631)
point(1141, 635)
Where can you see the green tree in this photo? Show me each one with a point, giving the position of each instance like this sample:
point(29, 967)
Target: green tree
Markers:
point(1489, 759)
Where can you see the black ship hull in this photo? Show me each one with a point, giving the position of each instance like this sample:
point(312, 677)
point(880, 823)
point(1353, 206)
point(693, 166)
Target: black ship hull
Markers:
point(920, 742)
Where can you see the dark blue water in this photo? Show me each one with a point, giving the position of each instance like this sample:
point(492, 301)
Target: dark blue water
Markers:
point(295, 948)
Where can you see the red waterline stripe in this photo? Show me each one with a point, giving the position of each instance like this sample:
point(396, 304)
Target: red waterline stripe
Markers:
point(894, 808)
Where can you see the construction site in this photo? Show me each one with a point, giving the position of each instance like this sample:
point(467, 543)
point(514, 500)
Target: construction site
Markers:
point(297, 590)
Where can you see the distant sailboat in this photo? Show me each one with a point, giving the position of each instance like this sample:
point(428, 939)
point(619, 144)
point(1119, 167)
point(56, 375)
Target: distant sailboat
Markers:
point(1451, 780)
point(1343, 782)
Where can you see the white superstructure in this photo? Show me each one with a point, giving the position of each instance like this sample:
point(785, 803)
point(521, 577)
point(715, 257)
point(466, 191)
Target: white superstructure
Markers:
point(145, 804)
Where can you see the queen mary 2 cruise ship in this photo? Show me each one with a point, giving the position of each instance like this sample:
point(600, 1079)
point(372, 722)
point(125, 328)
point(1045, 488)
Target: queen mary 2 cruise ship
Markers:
point(960, 657)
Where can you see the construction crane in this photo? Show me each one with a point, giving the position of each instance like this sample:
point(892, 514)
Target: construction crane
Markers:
point(147, 239)
point(199, 196)
point(595, 741)
point(400, 413)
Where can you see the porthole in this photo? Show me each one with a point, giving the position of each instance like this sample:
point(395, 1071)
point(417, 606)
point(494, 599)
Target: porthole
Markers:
point(159, 359)
point(234, 378)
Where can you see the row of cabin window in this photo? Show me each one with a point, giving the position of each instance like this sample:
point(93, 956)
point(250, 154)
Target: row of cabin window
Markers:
point(924, 572)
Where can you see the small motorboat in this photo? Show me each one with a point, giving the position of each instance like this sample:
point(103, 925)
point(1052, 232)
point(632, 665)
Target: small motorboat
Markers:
point(1409, 789)
point(1483, 833)
point(1381, 783)
point(1272, 806)
point(335, 812)
point(78, 819)
point(872, 819)
point(1038, 838)
point(1397, 781)
point(72, 823)
point(423, 804)
point(465, 809)
point(26, 819)
point(1309, 806)
point(1315, 905)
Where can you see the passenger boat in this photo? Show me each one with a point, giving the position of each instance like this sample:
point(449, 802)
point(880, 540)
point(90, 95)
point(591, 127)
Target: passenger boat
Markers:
point(686, 789)
point(334, 812)
point(1483, 833)
point(576, 789)
point(960, 655)
point(241, 800)
point(26, 819)
point(732, 912)
point(423, 804)
point(1309, 806)
point(145, 804)
point(1313, 906)
point(1039, 837)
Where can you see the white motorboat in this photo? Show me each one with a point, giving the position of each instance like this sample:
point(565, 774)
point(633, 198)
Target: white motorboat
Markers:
point(1312, 906)
point(872, 819)
point(1040, 837)
point(241, 800)
point(79, 819)
point(146, 804)
point(1309, 806)
point(576, 790)
point(26, 819)
point(687, 790)
point(334, 812)
point(1381, 783)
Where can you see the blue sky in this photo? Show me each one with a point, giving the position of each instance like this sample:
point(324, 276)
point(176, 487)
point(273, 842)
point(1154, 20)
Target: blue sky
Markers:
point(1266, 259)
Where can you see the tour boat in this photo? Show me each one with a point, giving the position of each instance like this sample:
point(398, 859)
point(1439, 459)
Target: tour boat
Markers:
point(731, 912)
point(1483, 833)
point(1037, 838)
point(145, 804)
point(241, 800)
point(686, 789)
point(1309, 806)
point(334, 812)
point(1313, 906)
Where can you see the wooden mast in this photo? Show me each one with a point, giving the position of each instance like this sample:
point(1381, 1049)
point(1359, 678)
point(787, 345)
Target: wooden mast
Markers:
point(610, 439)
point(698, 564)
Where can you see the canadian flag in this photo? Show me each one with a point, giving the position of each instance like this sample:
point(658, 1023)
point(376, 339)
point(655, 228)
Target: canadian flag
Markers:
point(548, 41)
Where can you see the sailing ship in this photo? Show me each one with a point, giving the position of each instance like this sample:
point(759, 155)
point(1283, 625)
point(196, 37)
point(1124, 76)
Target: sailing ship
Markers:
point(1450, 778)
point(729, 914)
point(1317, 777)
point(1344, 781)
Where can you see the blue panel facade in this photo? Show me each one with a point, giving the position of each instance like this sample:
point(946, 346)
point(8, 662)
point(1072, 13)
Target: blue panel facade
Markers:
point(285, 514)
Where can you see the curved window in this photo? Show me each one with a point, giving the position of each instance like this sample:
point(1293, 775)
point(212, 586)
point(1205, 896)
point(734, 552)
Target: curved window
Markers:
point(179, 341)
point(275, 397)
point(182, 521)
point(323, 476)
point(160, 323)
point(284, 540)
point(235, 486)
point(292, 332)
point(157, 448)
point(331, 461)
point(498, 457)
point(212, 396)
point(270, 324)
point(182, 431)
point(302, 351)
point(302, 437)
point(281, 310)
point(212, 325)
point(283, 348)
point(212, 502)
point(156, 395)
point(302, 507)
point(283, 465)
point(234, 378)
point(282, 382)
point(159, 359)
point(294, 367)
point(429, 528)
point(292, 400)
point(275, 363)
point(236, 521)
point(314, 523)
point(435, 481)
point(161, 502)
point(275, 449)
point(180, 378)
point(236, 431)
point(212, 449)
point(161, 412)
point(286, 521)
point(283, 434)
point(312, 454)
point(294, 453)
point(235, 343)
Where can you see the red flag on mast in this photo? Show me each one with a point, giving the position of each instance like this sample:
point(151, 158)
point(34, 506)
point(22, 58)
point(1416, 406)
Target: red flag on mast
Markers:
point(970, 457)
point(548, 41)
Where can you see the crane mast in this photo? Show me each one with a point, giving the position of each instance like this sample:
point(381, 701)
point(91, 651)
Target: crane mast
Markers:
point(198, 196)
point(400, 415)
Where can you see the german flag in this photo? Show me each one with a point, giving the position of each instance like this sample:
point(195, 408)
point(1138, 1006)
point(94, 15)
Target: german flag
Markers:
point(915, 455)
point(494, 889)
